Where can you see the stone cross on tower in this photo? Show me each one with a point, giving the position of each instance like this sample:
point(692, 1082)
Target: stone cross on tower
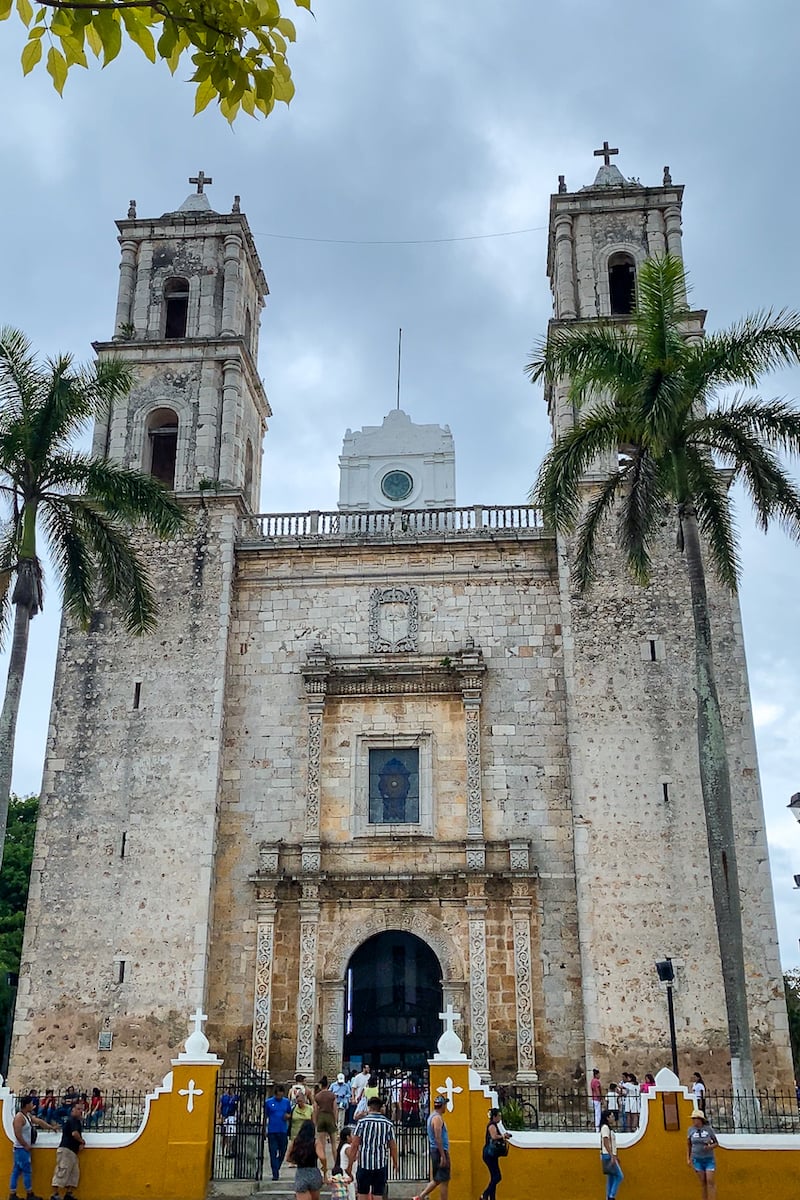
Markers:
point(201, 179)
point(606, 151)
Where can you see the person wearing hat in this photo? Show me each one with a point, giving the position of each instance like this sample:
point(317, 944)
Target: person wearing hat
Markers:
point(439, 1145)
point(341, 1090)
point(700, 1152)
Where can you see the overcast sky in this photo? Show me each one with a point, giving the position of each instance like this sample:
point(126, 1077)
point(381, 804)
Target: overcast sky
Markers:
point(417, 121)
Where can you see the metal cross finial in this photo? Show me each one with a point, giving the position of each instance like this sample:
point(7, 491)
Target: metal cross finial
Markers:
point(201, 179)
point(606, 153)
point(449, 1016)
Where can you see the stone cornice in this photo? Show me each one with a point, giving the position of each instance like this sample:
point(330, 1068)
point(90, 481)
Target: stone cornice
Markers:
point(394, 674)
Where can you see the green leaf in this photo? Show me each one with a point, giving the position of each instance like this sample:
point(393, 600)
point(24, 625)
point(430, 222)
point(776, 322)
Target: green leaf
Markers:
point(31, 55)
point(303, 4)
point(107, 25)
point(94, 40)
point(139, 33)
point(205, 93)
point(25, 10)
point(57, 69)
point(5, 9)
point(287, 28)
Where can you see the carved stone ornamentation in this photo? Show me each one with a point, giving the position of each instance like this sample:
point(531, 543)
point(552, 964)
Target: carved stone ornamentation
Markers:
point(313, 769)
point(472, 723)
point(393, 620)
point(476, 858)
point(526, 1056)
point(268, 856)
point(311, 858)
point(520, 856)
point(307, 989)
point(478, 1000)
point(332, 1026)
point(262, 1007)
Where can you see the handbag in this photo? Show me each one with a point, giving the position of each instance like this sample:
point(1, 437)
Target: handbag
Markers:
point(608, 1166)
point(498, 1147)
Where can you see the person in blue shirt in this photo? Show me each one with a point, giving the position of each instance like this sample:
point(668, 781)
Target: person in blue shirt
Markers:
point(277, 1114)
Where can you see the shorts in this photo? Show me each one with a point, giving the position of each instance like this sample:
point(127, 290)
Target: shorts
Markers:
point(371, 1181)
point(67, 1172)
point(440, 1174)
point(326, 1123)
point(704, 1164)
point(307, 1179)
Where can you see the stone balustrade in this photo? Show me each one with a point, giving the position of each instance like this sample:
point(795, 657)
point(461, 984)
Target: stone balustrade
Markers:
point(435, 524)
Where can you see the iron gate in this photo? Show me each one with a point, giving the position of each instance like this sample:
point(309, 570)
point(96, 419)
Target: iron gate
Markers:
point(239, 1124)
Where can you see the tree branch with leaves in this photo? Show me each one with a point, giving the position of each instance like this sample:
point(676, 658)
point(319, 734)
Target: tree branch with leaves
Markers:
point(238, 47)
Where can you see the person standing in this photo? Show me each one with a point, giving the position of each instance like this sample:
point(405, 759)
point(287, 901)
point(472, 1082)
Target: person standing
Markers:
point(632, 1102)
point(278, 1114)
point(596, 1090)
point(326, 1114)
point(373, 1145)
point(24, 1121)
point(341, 1090)
point(699, 1091)
point(67, 1173)
point(612, 1100)
point(439, 1146)
point(496, 1138)
point(608, 1154)
point(307, 1154)
point(700, 1153)
point(302, 1111)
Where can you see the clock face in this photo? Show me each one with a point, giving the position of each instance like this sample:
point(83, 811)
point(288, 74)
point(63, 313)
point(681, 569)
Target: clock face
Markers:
point(397, 485)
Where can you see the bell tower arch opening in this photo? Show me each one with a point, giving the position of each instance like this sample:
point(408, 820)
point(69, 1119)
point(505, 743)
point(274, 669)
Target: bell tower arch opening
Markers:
point(393, 997)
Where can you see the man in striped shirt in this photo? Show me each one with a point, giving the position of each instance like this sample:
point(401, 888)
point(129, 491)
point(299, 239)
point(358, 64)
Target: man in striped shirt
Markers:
point(372, 1144)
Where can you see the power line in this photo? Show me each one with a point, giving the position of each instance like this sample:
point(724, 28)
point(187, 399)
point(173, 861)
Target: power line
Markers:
point(474, 237)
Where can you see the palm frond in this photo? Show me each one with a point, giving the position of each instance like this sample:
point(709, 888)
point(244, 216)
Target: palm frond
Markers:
point(557, 489)
point(593, 357)
point(776, 423)
point(121, 493)
point(118, 575)
point(759, 343)
point(71, 559)
point(708, 490)
point(18, 368)
point(660, 308)
point(643, 504)
point(584, 565)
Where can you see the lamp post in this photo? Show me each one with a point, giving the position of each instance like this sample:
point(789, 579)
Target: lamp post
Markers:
point(666, 975)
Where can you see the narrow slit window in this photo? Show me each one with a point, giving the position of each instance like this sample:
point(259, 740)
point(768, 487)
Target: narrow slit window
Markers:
point(122, 845)
point(653, 650)
point(137, 694)
point(665, 790)
point(120, 965)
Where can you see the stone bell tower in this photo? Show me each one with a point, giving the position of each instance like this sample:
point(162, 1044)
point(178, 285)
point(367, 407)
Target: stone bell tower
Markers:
point(190, 293)
point(599, 237)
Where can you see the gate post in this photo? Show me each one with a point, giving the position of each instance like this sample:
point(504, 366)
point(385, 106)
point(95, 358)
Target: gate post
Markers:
point(449, 1077)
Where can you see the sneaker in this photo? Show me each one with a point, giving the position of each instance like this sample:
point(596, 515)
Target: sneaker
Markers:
point(30, 1196)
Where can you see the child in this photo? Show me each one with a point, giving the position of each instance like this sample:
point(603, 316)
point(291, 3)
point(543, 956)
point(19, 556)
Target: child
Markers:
point(342, 1185)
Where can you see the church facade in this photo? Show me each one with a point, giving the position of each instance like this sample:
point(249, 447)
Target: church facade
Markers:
point(383, 759)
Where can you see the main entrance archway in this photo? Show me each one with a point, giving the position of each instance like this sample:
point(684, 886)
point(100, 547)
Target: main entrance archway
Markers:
point(393, 997)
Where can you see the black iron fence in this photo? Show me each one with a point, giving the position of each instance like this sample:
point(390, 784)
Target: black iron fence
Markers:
point(121, 1111)
point(753, 1112)
point(536, 1106)
point(239, 1132)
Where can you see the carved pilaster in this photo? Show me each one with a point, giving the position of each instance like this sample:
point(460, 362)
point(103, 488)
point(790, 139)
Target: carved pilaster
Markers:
point(307, 986)
point(262, 1005)
point(521, 922)
point(315, 678)
point(478, 991)
point(332, 1028)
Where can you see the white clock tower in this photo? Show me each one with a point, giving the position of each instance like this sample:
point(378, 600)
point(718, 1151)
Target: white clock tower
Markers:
point(397, 465)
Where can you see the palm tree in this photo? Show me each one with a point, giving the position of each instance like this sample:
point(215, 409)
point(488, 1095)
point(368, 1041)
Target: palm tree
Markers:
point(86, 508)
point(654, 404)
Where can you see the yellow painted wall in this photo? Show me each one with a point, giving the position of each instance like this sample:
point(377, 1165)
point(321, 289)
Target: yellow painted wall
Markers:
point(169, 1159)
point(654, 1166)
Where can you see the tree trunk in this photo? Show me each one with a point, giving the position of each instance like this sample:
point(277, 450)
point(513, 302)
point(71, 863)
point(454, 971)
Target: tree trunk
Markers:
point(716, 786)
point(10, 711)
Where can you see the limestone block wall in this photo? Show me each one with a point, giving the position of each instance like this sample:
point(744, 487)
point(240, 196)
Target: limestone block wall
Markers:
point(505, 597)
point(640, 842)
point(117, 929)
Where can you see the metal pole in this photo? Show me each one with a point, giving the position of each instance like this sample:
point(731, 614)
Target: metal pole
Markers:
point(672, 1040)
